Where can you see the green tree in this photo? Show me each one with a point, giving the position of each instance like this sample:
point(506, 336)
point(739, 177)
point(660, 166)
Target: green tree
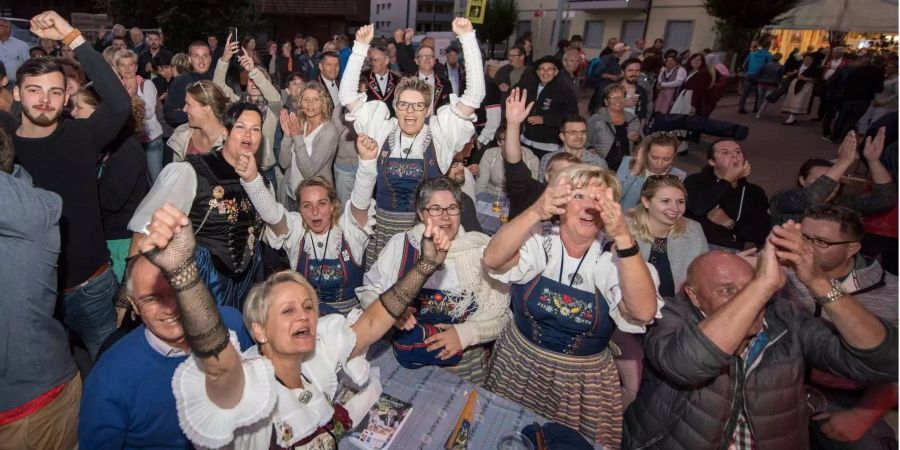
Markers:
point(185, 21)
point(740, 20)
point(499, 22)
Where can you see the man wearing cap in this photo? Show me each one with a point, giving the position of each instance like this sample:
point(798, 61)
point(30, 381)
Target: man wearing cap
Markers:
point(553, 102)
point(453, 70)
point(128, 400)
point(607, 72)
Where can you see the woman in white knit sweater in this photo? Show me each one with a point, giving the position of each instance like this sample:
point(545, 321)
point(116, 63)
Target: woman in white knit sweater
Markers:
point(459, 308)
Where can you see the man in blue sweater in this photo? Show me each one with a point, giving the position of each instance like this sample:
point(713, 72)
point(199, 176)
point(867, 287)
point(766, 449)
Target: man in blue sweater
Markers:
point(128, 401)
point(753, 66)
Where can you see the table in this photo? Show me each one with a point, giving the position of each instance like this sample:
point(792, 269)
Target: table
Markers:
point(484, 210)
point(438, 397)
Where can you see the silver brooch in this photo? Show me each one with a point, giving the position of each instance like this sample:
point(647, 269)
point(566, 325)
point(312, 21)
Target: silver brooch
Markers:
point(305, 397)
point(320, 244)
point(575, 279)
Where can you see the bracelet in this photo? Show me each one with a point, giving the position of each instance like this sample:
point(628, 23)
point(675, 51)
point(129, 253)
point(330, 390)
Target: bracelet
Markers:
point(628, 252)
point(68, 38)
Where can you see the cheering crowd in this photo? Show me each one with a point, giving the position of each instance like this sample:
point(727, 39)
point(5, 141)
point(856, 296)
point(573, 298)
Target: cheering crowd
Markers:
point(226, 232)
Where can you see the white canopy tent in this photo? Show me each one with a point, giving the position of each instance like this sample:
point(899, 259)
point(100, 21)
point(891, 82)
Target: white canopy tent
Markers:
point(860, 16)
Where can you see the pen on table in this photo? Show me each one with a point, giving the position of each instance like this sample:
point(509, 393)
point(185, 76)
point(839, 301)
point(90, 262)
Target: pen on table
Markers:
point(464, 416)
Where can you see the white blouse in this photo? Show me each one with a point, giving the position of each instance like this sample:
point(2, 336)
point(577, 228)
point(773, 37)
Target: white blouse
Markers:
point(265, 402)
point(541, 253)
point(357, 237)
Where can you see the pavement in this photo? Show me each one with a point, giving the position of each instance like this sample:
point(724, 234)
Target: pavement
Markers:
point(775, 151)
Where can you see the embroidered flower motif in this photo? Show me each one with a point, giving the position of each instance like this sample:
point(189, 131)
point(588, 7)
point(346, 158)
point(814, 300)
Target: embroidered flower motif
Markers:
point(567, 307)
point(218, 192)
point(287, 433)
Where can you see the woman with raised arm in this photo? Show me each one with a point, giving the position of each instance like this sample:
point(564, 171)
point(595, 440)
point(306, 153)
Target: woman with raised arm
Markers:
point(573, 283)
point(207, 188)
point(282, 392)
point(460, 308)
point(322, 244)
point(415, 144)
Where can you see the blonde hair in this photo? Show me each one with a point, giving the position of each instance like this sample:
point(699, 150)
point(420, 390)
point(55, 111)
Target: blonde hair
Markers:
point(181, 62)
point(256, 306)
point(207, 93)
point(319, 181)
point(123, 54)
point(414, 84)
point(324, 97)
point(109, 55)
point(581, 175)
point(641, 215)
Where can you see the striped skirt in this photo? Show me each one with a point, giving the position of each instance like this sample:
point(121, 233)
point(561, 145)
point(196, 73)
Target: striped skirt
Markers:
point(387, 224)
point(581, 392)
point(473, 365)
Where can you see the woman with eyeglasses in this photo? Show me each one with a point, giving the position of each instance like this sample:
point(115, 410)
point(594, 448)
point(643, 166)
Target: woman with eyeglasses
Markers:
point(209, 190)
point(205, 105)
point(613, 131)
point(573, 282)
point(460, 308)
point(414, 145)
point(654, 156)
point(322, 244)
point(310, 140)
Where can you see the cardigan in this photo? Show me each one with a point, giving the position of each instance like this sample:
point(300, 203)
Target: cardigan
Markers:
point(319, 163)
point(681, 249)
point(601, 137)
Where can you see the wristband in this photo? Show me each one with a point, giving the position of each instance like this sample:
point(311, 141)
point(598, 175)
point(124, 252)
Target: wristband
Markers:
point(628, 252)
point(71, 36)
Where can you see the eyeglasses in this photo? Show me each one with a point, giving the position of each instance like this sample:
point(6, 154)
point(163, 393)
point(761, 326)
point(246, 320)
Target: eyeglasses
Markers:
point(822, 243)
point(575, 132)
point(405, 106)
point(456, 163)
point(669, 134)
point(437, 211)
point(425, 57)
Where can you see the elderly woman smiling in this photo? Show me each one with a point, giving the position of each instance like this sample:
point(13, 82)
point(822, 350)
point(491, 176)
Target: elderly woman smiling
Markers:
point(281, 393)
point(460, 307)
point(574, 283)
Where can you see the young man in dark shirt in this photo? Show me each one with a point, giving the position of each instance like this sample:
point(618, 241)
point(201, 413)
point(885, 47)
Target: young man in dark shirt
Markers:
point(61, 156)
point(201, 60)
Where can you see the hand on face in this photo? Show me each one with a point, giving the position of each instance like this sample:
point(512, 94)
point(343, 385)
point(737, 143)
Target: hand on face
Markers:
point(554, 199)
point(610, 212)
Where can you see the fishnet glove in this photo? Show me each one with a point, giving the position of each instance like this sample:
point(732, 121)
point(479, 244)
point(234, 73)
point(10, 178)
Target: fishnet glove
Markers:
point(203, 328)
point(398, 297)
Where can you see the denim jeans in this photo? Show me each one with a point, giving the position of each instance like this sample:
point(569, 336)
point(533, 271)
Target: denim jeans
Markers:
point(749, 86)
point(154, 151)
point(89, 311)
point(344, 178)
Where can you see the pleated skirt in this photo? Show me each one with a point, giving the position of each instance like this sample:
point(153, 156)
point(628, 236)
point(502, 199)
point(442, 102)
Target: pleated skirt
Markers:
point(581, 392)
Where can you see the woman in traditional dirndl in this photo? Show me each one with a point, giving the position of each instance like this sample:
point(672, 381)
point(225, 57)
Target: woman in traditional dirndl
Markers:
point(800, 90)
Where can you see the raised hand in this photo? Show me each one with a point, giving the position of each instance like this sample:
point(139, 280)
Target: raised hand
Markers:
point(553, 201)
point(246, 167)
point(365, 34)
point(366, 147)
point(768, 270)
point(398, 36)
point(246, 62)
point(874, 147)
point(290, 123)
point(50, 25)
point(171, 241)
point(461, 26)
point(733, 174)
point(610, 212)
point(794, 251)
point(516, 109)
point(847, 152)
point(408, 35)
point(638, 164)
point(230, 49)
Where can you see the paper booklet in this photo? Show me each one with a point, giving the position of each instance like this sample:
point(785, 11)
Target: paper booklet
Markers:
point(384, 421)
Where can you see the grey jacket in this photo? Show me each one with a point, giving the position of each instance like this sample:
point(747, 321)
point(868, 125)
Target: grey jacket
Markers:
point(265, 157)
point(180, 140)
point(681, 250)
point(790, 203)
point(601, 137)
point(692, 391)
point(34, 347)
point(293, 152)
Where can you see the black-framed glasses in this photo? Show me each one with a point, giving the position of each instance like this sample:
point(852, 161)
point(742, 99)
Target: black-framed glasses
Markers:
point(437, 211)
point(416, 106)
point(822, 243)
point(658, 177)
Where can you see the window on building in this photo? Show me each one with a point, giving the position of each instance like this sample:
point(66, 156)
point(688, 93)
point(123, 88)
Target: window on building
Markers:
point(632, 30)
point(523, 27)
point(593, 33)
point(678, 34)
point(563, 31)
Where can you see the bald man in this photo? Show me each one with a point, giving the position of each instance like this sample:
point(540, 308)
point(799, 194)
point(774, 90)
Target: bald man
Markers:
point(727, 360)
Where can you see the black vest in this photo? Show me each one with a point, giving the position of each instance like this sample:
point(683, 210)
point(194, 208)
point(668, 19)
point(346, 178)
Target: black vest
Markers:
point(224, 219)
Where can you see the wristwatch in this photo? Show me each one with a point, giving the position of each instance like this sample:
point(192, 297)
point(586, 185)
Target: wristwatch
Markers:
point(837, 291)
point(627, 252)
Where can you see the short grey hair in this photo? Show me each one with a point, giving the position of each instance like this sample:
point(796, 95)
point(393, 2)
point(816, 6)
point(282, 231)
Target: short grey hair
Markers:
point(428, 187)
point(124, 54)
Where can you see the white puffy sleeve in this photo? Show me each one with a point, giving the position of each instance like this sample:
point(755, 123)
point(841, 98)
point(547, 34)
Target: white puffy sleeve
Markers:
point(606, 278)
point(292, 240)
point(205, 423)
point(383, 273)
point(450, 132)
point(356, 234)
point(177, 184)
point(335, 336)
point(532, 260)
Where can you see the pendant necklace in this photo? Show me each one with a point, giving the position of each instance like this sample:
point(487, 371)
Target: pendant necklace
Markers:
point(407, 150)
